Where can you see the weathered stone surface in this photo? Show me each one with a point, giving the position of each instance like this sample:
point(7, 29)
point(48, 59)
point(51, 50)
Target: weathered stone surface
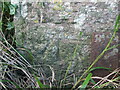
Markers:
point(110, 58)
point(52, 33)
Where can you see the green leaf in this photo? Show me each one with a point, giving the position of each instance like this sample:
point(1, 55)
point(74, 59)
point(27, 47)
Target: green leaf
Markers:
point(92, 69)
point(15, 5)
point(6, 4)
point(80, 34)
point(40, 84)
point(85, 83)
point(12, 9)
point(10, 25)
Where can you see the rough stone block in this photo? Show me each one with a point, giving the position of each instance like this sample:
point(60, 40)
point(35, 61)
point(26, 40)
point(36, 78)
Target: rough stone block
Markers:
point(110, 58)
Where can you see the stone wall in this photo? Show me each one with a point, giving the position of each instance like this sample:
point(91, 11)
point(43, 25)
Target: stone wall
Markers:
point(60, 34)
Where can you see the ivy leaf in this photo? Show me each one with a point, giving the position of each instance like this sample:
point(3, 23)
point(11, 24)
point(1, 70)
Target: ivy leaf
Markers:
point(10, 25)
point(12, 9)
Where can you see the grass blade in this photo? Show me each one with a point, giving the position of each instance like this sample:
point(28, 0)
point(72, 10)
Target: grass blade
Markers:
point(17, 86)
point(85, 83)
point(40, 84)
point(92, 69)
